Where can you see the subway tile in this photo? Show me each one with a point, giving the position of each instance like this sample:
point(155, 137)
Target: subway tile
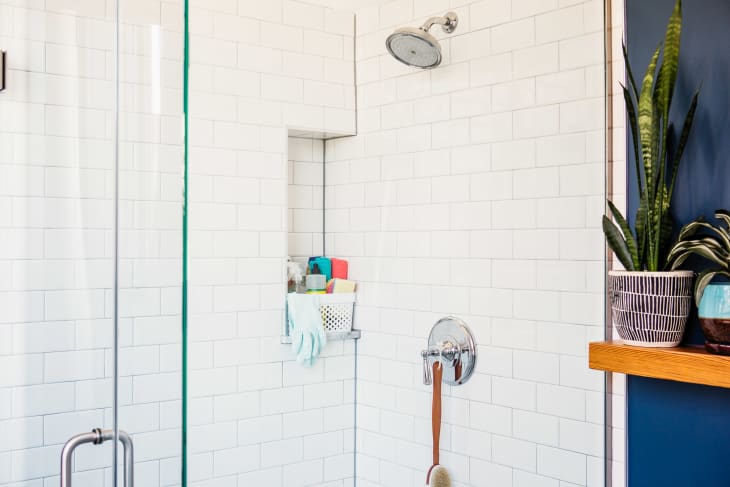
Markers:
point(72, 366)
point(339, 22)
point(471, 45)
point(561, 464)
point(536, 183)
point(471, 102)
point(32, 400)
point(512, 36)
point(490, 70)
point(230, 407)
point(514, 393)
point(581, 51)
point(582, 437)
point(323, 44)
point(282, 452)
point(538, 428)
point(491, 128)
point(487, 13)
point(559, 24)
point(514, 453)
point(536, 122)
point(451, 78)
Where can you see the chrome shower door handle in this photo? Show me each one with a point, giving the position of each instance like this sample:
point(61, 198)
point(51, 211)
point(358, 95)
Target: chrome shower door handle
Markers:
point(126, 441)
point(97, 437)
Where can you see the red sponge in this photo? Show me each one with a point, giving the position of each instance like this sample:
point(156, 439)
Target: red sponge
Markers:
point(339, 268)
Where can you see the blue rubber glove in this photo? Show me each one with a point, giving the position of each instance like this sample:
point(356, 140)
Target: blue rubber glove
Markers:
point(305, 327)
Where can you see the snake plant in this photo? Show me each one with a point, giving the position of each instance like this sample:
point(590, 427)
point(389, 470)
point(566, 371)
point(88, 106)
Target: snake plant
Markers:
point(647, 107)
point(711, 242)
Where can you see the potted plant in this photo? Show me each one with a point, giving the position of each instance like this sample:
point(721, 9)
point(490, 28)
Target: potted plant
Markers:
point(650, 307)
point(711, 242)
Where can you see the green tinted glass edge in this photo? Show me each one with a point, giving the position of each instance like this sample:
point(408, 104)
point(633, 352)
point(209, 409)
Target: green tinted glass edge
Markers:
point(186, 86)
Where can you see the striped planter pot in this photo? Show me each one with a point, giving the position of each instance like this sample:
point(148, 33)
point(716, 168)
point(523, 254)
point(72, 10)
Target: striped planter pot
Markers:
point(650, 309)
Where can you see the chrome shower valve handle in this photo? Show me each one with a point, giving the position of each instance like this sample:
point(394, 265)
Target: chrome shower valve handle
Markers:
point(447, 353)
point(451, 343)
point(426, 355)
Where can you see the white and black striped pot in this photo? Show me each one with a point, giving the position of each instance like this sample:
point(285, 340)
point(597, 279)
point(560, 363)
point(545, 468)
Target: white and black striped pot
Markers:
point(650, 309)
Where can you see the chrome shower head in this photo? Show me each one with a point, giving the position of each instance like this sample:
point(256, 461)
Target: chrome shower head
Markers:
point(416, 47)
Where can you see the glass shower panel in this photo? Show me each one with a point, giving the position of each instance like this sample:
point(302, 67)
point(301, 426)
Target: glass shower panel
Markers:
point(150, 240)
point(56, 222)
point(257, 77)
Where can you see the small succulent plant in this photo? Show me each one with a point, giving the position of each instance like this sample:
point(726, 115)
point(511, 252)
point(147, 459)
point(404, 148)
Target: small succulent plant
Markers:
point(712, 242)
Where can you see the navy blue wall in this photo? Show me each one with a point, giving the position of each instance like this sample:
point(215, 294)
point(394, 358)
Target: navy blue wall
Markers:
point(679, 434)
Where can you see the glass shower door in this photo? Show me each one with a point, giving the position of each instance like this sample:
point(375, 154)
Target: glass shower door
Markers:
point(150, 244)
point(74, 136)
point(56, 221)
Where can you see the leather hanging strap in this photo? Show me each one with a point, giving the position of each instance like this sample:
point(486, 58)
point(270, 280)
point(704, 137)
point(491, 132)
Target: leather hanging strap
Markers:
point(438, 371)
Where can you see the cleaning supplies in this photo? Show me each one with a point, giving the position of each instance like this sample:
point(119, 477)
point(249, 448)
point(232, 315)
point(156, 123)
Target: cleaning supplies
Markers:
point(305, 327)
point(339, 268)
point(294, 275)
point(337, 285)
point(316, 281)
point(324, 266)
point(316, 284)
point(437, 475)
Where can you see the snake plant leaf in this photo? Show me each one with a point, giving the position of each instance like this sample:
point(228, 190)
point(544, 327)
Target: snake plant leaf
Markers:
point(722, 234)
point(631, 112)
point(710, 243)
point(704, 279)
point(703, 251)
point(670, 61)
point(665, 235)
point(629, 72)
point(647, 125)
point(661, 119)
point(666, 225)
point(715, 246)
point(617, 243)
point(664, 89)
point(641, 226)
point(677, 262)
point(653, 232)
point(686, 129)
point(692, 228)
point(723, 215)
point(628, 236)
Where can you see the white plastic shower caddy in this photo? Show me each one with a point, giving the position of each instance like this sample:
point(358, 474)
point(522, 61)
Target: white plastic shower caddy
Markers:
point(338, 311)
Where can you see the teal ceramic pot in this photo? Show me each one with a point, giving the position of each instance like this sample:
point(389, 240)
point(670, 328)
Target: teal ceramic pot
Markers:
point(714, 314)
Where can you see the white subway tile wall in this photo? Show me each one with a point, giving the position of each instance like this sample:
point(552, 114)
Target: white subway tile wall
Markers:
point(261, 71)
point(306, 198)
point(249, 80)
point(475, 189)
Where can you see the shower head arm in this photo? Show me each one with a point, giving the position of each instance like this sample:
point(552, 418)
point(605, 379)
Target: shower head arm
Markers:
point(448, 23)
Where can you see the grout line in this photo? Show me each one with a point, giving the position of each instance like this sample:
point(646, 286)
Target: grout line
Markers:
point(354, 422)
point(324, 197)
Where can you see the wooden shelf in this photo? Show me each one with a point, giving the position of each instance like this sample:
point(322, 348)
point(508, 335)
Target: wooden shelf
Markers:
point(692, 364)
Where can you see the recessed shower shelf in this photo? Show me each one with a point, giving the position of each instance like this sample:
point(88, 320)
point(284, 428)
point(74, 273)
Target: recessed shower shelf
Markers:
point(691, 364)
point(344, 335)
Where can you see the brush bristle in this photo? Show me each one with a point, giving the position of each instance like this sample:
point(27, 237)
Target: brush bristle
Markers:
point(440, 477)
